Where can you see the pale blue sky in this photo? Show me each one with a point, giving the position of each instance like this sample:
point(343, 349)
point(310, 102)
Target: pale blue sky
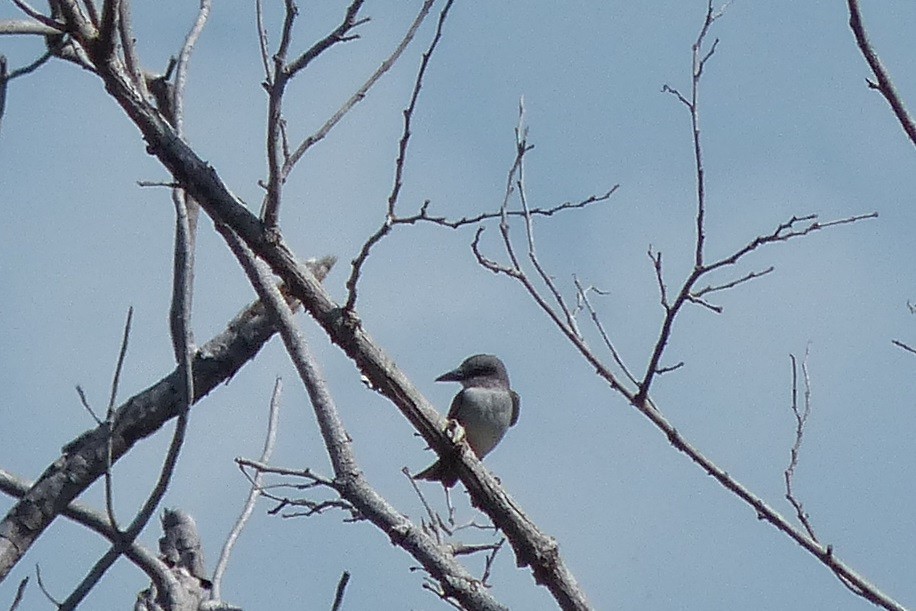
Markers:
point(789, 128)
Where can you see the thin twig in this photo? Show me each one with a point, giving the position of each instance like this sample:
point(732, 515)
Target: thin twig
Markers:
point(129, 48)
point(44, 590)
point(434, 520)
point(276, 83)
point(583, 294)
point(514, 271)
point(97, 521)
point(793, 228)
point(656, 258)
point(340, 34)
point(85, 402)
point(109, 419)
point(732, 283)
point(390, 215)
point(488, 564)
point(122, 353)
point(185, 367)
point(906, 347)
point(20, 591)
point(184, 57)
point(522, 133)
point(699, 64)
point(360, 94)
point(262, 42)
point(270, 441)
point(341, 589)
point(424, 216)
point(801, 419)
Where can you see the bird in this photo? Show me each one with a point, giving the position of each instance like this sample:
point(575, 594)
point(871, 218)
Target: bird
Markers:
point(485, 407)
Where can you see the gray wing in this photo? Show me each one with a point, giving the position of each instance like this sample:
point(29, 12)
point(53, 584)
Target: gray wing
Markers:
point(516, 405)
point(456, 406)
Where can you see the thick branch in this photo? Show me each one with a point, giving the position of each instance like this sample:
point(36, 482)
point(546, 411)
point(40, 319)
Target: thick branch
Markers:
point(348, 478)
point(532, 547)
point(84, 459)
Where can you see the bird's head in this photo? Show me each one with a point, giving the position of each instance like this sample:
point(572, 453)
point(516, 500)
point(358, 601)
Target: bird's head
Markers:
point(479, 370)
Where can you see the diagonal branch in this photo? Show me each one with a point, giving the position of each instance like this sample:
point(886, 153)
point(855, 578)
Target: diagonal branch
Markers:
point(348, 478)
point(532, 547)
point(83, 460)
point(97, 521)
point(884, 83)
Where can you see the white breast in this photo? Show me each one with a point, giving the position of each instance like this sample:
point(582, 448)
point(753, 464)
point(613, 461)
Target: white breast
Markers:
point(485, 414)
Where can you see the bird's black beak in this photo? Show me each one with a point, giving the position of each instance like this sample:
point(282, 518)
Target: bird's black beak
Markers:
point(454, 375)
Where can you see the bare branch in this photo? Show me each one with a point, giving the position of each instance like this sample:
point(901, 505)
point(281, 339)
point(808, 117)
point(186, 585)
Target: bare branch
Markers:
point(107, 27)
point(82, 460)
point(795, 227)
point(884, 83)
point(521, 135)
point(78, 25)
point(254, 492)
point(669, 369)
point(48, 22)
point(488, 565)
point(348, 479)
point(390, 217)
point(583, 295)
point(733, 283)
point(97, 521)
point(85, 403)
point(182, 327)
point(424, 216)
point(514, 271)
point(44, 590)
point(122, 353)
point(129, 48)
point(360, 94)
point(276, 86)
point(656, 258)
point(20, 591)
point(262, 42)
point(16, 27)
point(341, 589)
point(184, 57)
point(532, 547)
point(801, 419)
point(340, 34)
point(906, 347)
point(109, 419)
point(92, 11)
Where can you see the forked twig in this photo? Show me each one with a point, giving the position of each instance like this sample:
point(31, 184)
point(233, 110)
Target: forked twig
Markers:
point(390, 215)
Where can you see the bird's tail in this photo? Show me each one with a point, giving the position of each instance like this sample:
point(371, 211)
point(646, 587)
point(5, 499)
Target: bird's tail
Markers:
point(439, 471)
